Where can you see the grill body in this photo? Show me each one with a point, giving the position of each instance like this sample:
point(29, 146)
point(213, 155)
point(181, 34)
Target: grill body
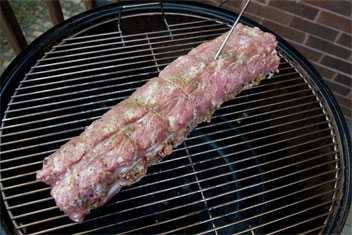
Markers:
point(275, 159)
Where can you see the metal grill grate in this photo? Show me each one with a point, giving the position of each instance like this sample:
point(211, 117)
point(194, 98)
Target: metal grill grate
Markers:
point(267, 163)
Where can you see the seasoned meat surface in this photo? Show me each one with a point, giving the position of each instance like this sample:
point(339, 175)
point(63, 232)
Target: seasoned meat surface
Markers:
point(116, 150)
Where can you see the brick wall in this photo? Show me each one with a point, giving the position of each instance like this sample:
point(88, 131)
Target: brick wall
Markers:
point(319, 29)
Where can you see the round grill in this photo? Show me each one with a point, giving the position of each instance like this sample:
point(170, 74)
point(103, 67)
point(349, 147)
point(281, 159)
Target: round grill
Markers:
point(272, 160)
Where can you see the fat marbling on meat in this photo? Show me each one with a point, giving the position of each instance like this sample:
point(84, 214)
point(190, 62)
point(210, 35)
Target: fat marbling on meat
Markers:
point(116, 150)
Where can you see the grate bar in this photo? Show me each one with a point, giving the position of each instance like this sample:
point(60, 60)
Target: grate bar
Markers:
point(221, 108)
point(79, 92)
point(132, 89)
point(98, 75)
point(155, 60)
point(40, 136)
point(126, 53)
point(17, 176)
point(246, 159)
point(19, 167)
point(229, 137)
point(242, 160)
point(65, 44)
point(164, 31)
point(117, 54)
point(112, 60)
point(137, 40)
point(82, 79)
point(195, 172)
point(239, 161)
point(43, 128)
point(243, 151)
point(30, 203)
point(300, 223)
point(123, 97)
point(100, 81)
point(26, 183)
point(92, 89)
point(163, 162)
point(203, 189)
point(191, 22)
point(90, 36)
point(313, 229)
point(89, 83)
point(259, 138)
point(26, 156)
point(30, 173)
point(235, 212)
point(118, 78)
point(76, 38)
point(136, 82)
point(187, 155)
point(217, 196)
point(48, 188)
point(138, 45)
point(297, 213)
point(94, 69)
point(211, 133)
point(277, 209)
point(189, 138)
point(35, 146)
point(102, 75)
point(300, 105)
point(212, 208)
point(214, 124)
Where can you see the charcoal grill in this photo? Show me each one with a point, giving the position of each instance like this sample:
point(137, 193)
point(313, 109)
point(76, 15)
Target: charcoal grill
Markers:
point(276, 159)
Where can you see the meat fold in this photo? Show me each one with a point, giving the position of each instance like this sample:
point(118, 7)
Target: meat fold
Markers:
point(117, 149)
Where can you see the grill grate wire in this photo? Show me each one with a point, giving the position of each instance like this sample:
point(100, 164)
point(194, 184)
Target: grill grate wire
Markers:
point(267, 163)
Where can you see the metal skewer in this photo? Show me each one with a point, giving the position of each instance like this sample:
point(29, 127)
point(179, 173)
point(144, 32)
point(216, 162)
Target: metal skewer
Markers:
point(232, 29)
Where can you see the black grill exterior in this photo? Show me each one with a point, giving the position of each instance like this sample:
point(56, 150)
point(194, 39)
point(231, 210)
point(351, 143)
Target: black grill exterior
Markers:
point(276, 159)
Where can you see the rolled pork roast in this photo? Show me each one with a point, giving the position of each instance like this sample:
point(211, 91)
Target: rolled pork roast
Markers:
point(117, 149)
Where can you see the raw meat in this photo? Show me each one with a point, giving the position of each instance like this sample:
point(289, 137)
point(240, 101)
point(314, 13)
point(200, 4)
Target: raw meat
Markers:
point(116, 150)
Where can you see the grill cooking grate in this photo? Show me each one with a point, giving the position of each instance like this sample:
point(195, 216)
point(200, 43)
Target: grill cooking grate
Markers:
point(267, 163)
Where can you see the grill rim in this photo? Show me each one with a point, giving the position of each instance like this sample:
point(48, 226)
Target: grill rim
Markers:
point(27, 58)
